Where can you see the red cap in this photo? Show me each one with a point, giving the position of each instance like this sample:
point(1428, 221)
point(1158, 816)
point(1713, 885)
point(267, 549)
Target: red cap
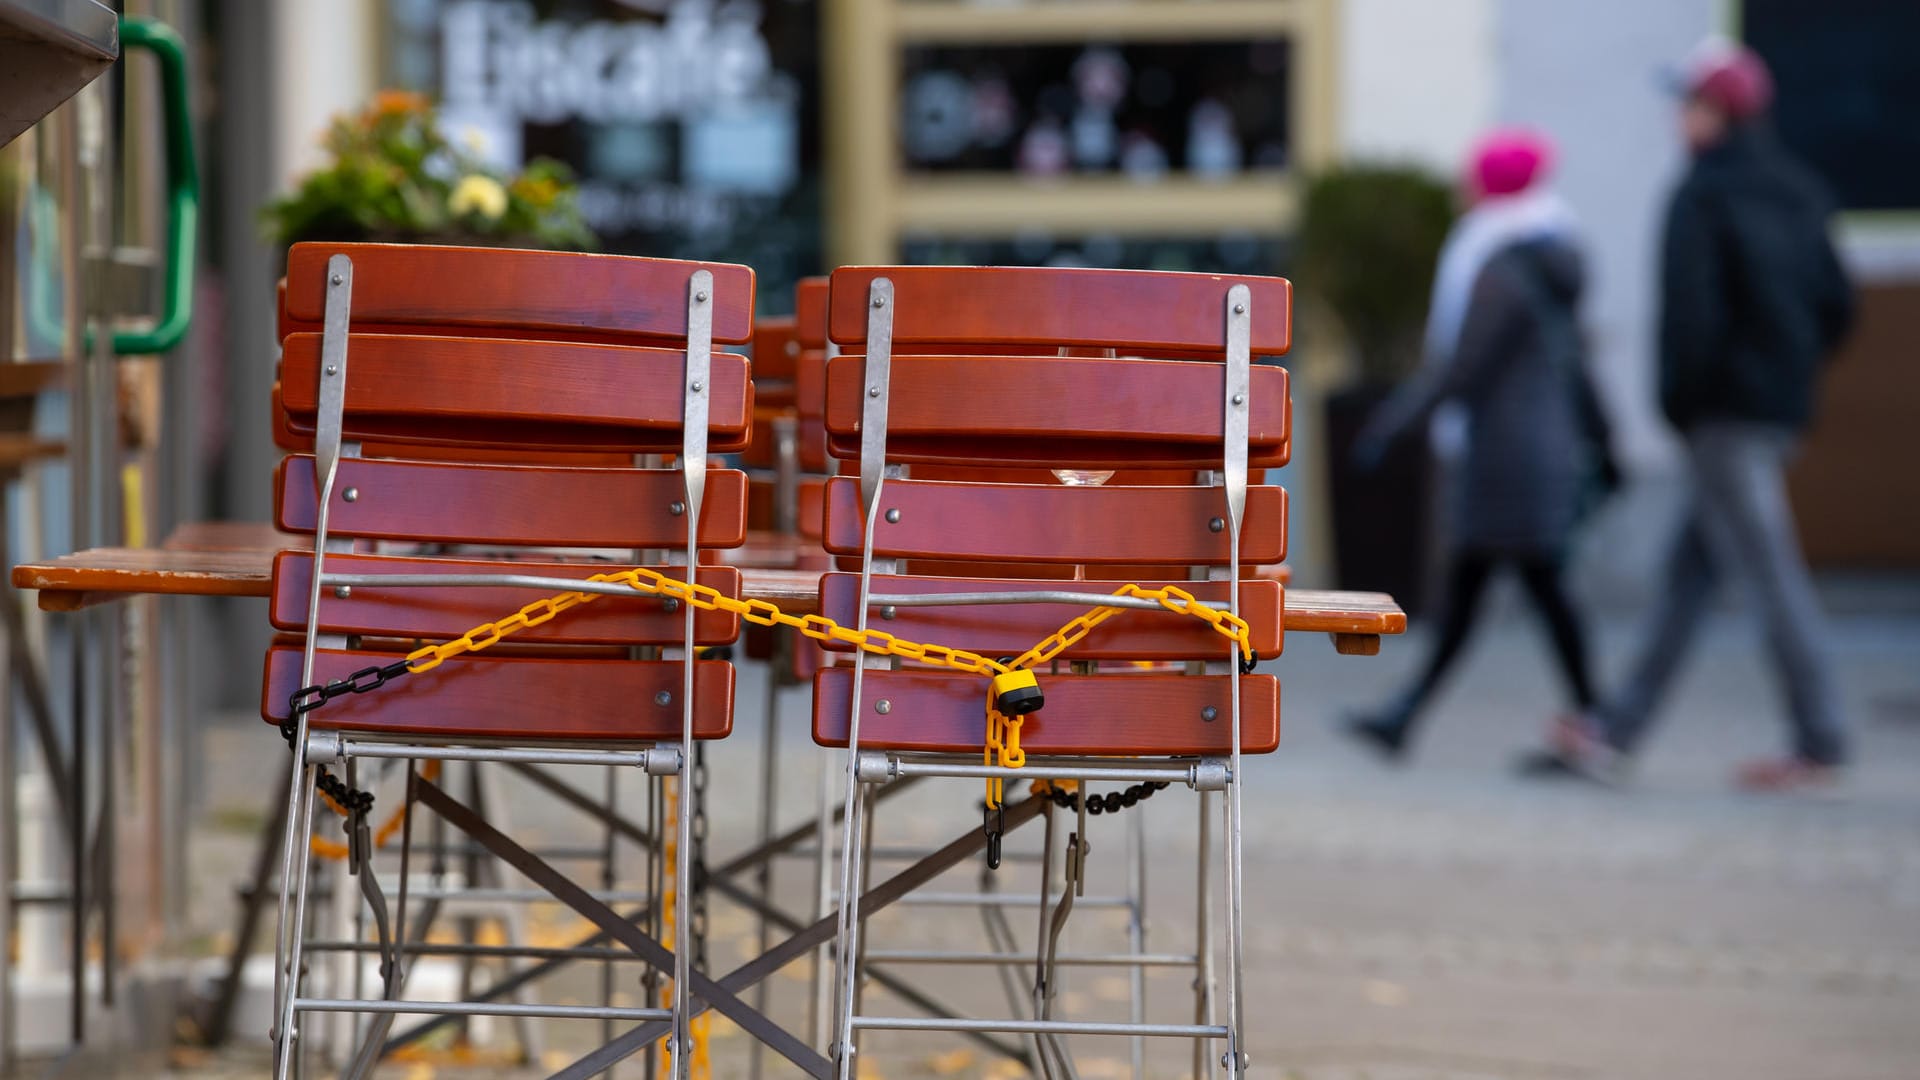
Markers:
point(1731, 77)
point(1509, 160)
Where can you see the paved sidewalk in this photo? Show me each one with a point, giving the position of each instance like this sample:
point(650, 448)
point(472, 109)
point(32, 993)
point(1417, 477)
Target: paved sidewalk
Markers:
point(1445, 920)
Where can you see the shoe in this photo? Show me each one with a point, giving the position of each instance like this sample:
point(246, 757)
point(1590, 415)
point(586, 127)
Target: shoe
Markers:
point(1575, 748)
point(1785, 775)
point(1384, 737)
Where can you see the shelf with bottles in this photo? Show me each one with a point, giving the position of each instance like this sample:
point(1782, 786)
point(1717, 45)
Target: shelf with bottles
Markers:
point(1147, 111)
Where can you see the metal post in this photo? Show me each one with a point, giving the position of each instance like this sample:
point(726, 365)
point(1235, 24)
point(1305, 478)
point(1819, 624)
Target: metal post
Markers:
point(1236, 409)
point(1137, 938)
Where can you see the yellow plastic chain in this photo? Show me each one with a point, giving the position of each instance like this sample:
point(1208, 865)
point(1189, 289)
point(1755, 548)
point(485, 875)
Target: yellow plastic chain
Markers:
point(1003, 732)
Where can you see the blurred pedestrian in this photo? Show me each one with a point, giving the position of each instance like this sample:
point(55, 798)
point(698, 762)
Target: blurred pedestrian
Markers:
point(1753, 298)
point(1504, 373)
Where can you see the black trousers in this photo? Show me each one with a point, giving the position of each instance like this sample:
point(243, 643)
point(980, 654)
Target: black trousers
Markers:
point(1467, 577)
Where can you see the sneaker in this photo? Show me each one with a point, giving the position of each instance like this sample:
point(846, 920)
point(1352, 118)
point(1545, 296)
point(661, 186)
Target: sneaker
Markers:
point(1576, 748)
point(1384, 737)
point(1785, 775)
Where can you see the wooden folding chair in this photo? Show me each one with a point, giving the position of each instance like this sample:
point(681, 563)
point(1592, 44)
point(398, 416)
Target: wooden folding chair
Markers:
point(468, 368)
point(946, 367)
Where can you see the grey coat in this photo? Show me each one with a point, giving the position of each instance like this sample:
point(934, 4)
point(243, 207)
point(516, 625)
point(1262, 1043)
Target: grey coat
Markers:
point(1517, 371)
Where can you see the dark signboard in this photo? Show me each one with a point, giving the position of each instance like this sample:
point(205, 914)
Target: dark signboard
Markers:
point(692, 124)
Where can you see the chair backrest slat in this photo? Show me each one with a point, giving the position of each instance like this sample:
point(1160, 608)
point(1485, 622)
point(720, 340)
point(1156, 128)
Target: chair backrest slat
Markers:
point(1141, 310)
point(483, 289)
point(545, 506)
point(938, 519)
point(1056, 412)
point(1010, 629)
point(503, 392)
point(488, 697)
point(448, 612)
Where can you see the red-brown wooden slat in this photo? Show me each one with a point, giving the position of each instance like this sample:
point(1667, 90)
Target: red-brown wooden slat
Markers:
point(511, 505)
point(776, 343)
point(301, 442)
point(1003, 629)
point(500, 390)
point(430, 285)
point(524, 699)
point(989, 400)
point(1129, 714)
point(444, 613)
point(810, 312)
point(813, 508)
point(1036, 523)
point(1122, 309)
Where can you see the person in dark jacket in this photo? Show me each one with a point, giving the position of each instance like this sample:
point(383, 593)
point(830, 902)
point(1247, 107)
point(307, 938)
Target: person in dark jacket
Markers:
point(1503, 376)
point(1753, 298)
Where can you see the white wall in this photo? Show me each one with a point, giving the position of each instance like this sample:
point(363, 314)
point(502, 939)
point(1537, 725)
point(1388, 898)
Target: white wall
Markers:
point(1590, 75)
point(327, 64)
point(1417, 79)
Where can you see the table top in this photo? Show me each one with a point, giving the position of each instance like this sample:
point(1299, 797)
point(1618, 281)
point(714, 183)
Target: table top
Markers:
point(236, 559)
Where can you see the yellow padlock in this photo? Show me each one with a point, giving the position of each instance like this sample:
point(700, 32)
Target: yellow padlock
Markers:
point(1017, 693)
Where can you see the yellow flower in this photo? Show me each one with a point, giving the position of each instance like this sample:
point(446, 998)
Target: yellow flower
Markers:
point(540, 193)
point(476, 194)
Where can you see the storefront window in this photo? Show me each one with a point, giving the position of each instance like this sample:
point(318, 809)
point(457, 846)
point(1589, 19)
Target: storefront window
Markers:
point(691, 123)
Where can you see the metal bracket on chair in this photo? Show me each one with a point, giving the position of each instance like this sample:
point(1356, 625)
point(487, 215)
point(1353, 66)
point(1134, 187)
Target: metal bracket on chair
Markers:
point(875, 767)
point(1211, 774)
point(873, 406)
point(325, 747)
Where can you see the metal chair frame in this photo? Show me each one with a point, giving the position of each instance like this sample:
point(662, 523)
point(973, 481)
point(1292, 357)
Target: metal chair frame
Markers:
point(313, 748)
point(866, 768)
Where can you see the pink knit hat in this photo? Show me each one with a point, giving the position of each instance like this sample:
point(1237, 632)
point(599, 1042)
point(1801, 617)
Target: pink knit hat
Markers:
point(1509, 160)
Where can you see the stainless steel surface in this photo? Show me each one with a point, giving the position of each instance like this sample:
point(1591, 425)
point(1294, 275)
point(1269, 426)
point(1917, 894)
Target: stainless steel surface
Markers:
point(656, 761)
point(1119, 773)
point(463, 1008)
point(1042, 596)
point(1234, 468)
point(912, 956)
point(1000, 899)
point(503, 581)
point(49, 50)
point(1038, 1027)
point(873, 406)
point(873, 468)
point(693, 468)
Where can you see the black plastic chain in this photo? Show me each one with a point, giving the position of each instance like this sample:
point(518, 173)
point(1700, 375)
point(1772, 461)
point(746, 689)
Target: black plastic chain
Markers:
point(308, 698)
point(1110, 803)
point(1247, 664)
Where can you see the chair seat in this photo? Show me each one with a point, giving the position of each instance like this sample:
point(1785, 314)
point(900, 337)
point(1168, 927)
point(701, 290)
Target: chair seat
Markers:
point(1084, 715)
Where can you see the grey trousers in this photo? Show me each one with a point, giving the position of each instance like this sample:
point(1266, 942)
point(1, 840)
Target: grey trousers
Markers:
point(1738, 525)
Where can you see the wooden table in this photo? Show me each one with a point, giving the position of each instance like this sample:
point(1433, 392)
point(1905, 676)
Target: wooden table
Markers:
point(236, 559)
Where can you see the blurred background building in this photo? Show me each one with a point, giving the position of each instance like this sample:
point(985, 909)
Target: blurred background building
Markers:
point(795, 135)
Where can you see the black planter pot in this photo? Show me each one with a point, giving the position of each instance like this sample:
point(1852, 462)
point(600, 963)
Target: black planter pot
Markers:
point(1380, 518)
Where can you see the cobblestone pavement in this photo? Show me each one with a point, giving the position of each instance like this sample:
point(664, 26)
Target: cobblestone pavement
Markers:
point(1441, 921)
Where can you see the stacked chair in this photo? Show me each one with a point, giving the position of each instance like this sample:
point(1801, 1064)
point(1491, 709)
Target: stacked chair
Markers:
point(957, 369)
point(479, 433)
point(484, 376)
